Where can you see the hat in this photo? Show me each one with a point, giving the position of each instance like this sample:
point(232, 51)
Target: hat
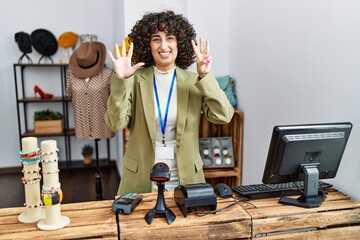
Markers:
point(88, 59)
point(44, 42)
point(23, 41)
point(68, 39)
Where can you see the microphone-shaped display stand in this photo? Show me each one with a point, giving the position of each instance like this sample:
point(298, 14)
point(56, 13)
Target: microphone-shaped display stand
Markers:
point(160, 173)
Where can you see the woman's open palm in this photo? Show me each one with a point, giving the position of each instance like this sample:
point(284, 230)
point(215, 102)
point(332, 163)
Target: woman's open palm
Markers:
point(122, 63)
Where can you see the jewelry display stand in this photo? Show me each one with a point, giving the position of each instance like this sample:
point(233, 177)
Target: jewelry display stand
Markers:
point(30, 158)
point(51, 191)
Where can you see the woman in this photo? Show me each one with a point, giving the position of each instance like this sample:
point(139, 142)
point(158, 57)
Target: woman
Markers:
point(162, 101)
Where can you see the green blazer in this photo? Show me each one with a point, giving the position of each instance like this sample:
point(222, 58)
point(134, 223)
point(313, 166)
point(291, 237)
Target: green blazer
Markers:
point(132, 101)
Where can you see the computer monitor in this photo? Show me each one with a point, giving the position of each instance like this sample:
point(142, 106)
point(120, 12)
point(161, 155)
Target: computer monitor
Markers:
point(307, 152)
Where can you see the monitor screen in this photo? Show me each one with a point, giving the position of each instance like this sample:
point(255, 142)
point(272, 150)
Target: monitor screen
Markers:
point(306, 152)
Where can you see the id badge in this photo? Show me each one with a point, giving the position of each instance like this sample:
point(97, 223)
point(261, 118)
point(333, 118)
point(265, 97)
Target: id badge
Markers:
point(165, 152)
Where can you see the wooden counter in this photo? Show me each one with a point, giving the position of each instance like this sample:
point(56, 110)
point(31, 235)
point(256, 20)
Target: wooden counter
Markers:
point(95, 219)
point(87, 220)
point(225, 225)
point(337, 218)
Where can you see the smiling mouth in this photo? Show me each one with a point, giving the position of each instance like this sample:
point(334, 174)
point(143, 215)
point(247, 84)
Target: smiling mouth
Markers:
point(164, 54)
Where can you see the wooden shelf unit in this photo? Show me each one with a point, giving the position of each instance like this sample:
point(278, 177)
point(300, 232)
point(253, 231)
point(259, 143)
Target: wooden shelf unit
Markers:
point(21, 83)
point(234, 129)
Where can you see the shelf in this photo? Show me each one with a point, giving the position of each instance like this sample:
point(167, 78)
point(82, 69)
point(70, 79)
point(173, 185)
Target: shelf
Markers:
point(216, 173)
point(53, 99)
point(31, 133)
point(22, 101)
point(40, 65)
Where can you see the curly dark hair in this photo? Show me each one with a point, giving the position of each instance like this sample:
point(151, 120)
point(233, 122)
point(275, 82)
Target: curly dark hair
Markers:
point(170, 23)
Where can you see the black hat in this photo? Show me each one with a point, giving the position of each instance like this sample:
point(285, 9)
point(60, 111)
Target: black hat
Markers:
point(23, 41)
point(44, 42)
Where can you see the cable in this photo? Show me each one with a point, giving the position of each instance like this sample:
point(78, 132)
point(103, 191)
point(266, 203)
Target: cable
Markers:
point(204, 213)
point(296, 184)
point(118, 221)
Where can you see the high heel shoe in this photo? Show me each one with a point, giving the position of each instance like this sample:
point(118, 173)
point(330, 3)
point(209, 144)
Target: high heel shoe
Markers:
point(42, 94)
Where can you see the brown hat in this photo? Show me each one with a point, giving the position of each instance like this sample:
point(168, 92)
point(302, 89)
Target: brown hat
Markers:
point(88, 59)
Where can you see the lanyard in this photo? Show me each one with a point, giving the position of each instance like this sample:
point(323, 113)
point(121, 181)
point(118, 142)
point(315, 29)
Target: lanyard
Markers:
point(163, 123)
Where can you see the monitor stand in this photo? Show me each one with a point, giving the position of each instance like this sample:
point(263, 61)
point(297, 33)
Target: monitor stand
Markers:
point(311, 197)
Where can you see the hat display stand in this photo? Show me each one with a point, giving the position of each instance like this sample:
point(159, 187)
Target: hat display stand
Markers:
point(51, 191)
point(83, 38)
point(46, 59)
point(27, 57)
point(30, 158)
point(65, 54)
point(66, 42)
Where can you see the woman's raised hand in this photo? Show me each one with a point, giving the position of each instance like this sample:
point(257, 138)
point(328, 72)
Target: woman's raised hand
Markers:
point(122, 63)
point(203, 58)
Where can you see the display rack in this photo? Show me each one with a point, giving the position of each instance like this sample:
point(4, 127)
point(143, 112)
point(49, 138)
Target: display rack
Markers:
point(23, 100)
point(234, 129)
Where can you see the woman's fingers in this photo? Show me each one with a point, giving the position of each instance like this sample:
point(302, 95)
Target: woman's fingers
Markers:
point(195, 49)
point(207, 47)
point(123, 52)
point(117, 52)
point(201, 46)
point(204, 52)
point(138, 65)
point(123, 49)
point(111, 56)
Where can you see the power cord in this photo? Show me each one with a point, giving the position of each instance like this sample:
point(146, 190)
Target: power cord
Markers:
point(118, 211)
point(204, 213)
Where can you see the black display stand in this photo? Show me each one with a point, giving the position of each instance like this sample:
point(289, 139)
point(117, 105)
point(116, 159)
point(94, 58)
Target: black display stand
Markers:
point(27, 57)
point(98, 184)
point(160, 207)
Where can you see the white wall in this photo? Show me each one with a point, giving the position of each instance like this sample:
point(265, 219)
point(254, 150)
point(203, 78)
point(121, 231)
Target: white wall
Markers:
point(211, 21)
point(296, 62)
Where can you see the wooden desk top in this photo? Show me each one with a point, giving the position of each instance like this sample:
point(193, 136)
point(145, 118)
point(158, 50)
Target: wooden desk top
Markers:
point(225, 225)
point(87, 219)
point(337, 218)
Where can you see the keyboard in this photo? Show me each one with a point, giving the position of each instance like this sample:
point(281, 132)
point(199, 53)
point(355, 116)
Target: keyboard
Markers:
point(256, 191)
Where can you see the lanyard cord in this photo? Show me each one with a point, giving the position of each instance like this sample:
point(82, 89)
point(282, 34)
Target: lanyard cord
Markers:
point(163, 123)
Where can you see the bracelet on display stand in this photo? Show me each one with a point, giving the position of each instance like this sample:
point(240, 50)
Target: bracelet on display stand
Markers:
point(52, 194)
point(30, 156)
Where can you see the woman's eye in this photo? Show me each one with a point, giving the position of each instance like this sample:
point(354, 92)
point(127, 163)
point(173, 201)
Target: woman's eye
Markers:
point(171, 38)
point(156, 39)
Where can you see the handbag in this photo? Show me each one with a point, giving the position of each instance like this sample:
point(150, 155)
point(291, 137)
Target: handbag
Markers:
point(227, 84)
